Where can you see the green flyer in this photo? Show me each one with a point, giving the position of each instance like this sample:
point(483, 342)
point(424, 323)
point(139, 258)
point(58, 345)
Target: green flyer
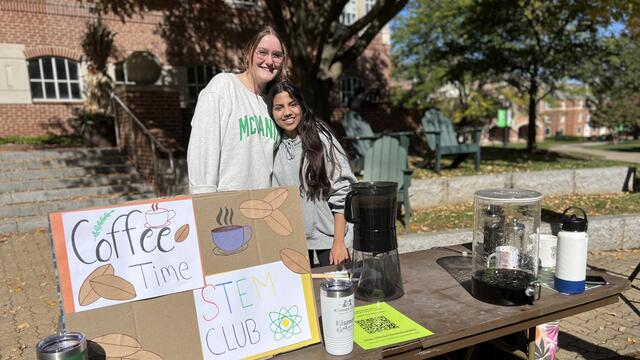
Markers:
point(380, 324)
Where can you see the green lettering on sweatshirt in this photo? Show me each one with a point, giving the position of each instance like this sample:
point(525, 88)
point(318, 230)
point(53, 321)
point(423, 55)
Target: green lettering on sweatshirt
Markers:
point(244, 127)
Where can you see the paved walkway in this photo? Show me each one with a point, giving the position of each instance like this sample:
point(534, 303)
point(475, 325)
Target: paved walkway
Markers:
point(587, 148)
point(28, 305)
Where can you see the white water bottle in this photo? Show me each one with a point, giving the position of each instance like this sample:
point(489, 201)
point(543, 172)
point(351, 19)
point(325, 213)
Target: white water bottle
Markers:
point(571, 253)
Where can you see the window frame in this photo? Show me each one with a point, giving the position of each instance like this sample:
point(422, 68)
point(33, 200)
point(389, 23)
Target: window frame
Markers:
point(197, 85)
point(349, 13)
point(55, 80)
point(353, 82)
point(124, 74)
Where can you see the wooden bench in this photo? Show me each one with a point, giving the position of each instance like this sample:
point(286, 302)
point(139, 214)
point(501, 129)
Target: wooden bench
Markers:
point(442, 140)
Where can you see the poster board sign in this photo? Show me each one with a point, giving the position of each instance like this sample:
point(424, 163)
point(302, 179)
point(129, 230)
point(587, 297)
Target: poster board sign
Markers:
point(237, 238)
point(131, 252)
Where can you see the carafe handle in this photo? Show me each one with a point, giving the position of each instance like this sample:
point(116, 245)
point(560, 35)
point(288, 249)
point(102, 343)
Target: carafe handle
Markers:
point(348, 210)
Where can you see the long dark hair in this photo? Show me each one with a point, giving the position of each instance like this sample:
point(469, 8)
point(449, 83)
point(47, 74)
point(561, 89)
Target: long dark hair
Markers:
point(314, 176)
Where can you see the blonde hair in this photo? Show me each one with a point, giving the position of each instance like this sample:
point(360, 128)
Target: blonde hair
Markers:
point(252, 45)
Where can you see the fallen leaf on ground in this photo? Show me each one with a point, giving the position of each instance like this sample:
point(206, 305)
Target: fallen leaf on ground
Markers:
point(22, 326)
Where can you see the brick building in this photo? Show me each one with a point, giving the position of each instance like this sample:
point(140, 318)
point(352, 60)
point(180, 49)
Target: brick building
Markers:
point(560, 115)
point(42, 69)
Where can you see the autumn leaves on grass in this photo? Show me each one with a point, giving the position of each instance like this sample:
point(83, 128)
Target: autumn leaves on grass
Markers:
point(268, 210)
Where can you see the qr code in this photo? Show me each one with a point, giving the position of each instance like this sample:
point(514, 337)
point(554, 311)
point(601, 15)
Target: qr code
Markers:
point(376, 324)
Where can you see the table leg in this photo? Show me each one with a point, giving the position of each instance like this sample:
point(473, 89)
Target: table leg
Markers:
point(531, 337)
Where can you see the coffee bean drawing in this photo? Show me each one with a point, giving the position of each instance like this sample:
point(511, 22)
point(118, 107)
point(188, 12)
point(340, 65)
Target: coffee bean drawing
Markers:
point(255, 209)
point(118, 345)
point(182, 233)
point(295, 261)
point(279, 223)
point(112, 287)
point(87, 295)
point(143, 355)
point(277, 197)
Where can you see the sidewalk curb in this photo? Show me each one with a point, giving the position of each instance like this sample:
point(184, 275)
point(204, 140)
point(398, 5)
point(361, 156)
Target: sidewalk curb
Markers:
point(613, 232)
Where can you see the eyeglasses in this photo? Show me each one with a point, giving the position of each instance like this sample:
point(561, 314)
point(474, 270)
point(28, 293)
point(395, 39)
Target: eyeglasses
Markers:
point(276, 56)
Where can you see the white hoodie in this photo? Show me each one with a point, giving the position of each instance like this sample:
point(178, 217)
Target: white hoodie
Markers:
point(232, 139)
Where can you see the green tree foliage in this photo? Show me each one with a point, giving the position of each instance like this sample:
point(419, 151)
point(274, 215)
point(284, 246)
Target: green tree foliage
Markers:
point(614, 79)
point(417, 37)
point(529, 44)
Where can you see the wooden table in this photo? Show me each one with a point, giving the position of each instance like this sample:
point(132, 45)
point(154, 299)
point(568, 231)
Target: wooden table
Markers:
point(438, 296)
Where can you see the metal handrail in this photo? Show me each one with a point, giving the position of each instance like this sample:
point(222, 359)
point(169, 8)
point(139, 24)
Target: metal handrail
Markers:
point(162, 188)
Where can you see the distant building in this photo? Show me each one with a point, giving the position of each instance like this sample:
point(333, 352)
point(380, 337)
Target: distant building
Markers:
point(559, 114)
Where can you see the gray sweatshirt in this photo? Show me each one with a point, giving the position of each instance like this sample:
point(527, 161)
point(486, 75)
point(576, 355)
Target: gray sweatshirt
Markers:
point(318, 215)
point(232, 138)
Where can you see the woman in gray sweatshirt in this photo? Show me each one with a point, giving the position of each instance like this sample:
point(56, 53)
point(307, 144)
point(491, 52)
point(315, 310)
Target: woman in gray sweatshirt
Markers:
point(310, 157)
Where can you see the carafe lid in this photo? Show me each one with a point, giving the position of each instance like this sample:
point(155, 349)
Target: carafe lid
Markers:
point(375, 187)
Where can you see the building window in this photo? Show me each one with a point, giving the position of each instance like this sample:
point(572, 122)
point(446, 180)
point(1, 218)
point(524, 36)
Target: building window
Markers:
point(547, 120)
point(578, 129)
point(55, 78)
point(348, 15)
point(350, 86)
point(580, 117)
point(121, 74)
point(547, 131)
point(368, 4)
point(198, 76)
point(562, 118)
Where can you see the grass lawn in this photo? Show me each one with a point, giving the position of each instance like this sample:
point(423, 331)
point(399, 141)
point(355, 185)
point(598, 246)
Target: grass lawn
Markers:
point(460, 216)
point(59, 140)
point(498, 160)
point(625, 146)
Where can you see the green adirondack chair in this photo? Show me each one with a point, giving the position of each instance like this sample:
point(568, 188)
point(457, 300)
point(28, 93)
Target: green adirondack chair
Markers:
point(442, 139)
point(387, 160)
point(359, 133)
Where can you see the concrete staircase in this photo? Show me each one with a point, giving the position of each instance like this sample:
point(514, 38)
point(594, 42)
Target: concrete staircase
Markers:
point(36, 182)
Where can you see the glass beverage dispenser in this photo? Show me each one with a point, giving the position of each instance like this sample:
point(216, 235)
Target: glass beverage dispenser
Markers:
point(372, 208)
point(505, 246)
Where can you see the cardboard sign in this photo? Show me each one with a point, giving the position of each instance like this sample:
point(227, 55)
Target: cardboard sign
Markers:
point(251, 311)
point(125, 253)
point(234, 239)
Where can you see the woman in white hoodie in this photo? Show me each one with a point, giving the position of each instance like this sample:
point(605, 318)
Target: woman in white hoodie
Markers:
point(232, 136)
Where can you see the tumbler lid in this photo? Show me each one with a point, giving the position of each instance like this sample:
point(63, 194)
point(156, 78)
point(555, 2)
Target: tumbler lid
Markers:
point(574, 223)
point(508, 195)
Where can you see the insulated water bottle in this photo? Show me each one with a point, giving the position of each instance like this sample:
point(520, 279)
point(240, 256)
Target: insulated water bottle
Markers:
point(571, 253)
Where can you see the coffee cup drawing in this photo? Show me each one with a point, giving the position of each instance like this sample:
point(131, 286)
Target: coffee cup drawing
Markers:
point(158, 217)
point(231, 239)
point(505, 257)
point(547, 250)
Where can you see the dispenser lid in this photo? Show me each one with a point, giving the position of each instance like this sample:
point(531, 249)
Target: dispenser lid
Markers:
point(512, 196)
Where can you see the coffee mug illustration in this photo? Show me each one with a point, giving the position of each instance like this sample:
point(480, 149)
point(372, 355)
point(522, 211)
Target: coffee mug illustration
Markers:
point(547, 253)
point(231, 239)
point(505, 257)
point(158, 217)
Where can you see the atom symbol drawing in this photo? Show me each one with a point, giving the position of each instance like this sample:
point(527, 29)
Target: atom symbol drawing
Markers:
point(285, 323)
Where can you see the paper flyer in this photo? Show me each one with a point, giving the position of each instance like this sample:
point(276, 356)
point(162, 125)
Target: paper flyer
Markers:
point(381, 325)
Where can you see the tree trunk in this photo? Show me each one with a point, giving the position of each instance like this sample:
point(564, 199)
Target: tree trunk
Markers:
point(531, 133)
point(316, 92)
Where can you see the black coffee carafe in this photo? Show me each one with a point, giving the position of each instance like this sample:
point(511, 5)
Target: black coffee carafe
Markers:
point(372, 207)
